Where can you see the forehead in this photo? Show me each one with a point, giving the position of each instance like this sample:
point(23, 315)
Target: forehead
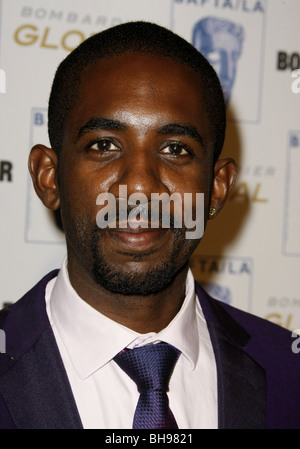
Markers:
point(150, 86)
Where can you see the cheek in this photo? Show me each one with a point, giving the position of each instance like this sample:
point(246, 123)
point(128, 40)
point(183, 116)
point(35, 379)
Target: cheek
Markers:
point(192, 182)
point(79, 187)
point(78, 203)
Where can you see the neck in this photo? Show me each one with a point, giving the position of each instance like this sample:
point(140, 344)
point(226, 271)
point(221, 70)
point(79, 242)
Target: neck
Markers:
point(143, 314)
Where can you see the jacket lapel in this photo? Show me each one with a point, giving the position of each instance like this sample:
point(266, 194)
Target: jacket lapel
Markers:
point(241, 380)
point(33, 381)
point(36, 389)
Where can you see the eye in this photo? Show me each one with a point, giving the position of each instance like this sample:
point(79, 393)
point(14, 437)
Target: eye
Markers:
point(175, 149)
point(104, 145)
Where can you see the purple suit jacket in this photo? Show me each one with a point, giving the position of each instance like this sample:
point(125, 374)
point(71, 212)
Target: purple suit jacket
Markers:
point(258, 373)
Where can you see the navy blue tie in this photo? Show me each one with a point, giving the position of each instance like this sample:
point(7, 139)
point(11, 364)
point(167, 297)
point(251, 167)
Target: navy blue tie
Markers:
point(151, 367)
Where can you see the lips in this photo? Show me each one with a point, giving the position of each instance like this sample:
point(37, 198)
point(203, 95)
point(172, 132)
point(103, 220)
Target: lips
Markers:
point(139, 239)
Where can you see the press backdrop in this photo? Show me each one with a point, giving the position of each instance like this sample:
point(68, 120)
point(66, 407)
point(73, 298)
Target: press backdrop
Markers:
point(250, 255)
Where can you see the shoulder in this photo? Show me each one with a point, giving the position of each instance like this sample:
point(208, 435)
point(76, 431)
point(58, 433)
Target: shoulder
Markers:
point(3, 315)
point(264, 333)
point(25, 320)
point(267, 342)
point(274, 347)
point(255, 324)
point(28, 297)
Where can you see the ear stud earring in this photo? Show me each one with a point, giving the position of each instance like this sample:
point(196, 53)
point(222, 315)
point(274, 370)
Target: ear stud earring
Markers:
point(212, 211)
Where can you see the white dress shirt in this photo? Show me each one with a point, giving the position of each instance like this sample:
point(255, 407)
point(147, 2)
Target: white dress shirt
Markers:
point(106, 397)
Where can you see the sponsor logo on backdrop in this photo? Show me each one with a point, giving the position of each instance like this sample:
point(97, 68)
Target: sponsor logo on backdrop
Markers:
point(69, 17)
point(46, 27)
point(221, 292)
point(248, 6)
point(291, 210)
point(288, 61)
point(230, 34)
point(220, 41)
point(256, 184)
point(283, 310)
point(6, 171)
point(228, 279)
point(29, 34)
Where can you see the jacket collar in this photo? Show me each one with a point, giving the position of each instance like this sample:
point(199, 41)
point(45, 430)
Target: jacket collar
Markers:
point(34, 383)
point(241, 380)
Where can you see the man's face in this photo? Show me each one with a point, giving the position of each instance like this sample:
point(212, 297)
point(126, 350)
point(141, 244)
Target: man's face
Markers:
point(138, 122)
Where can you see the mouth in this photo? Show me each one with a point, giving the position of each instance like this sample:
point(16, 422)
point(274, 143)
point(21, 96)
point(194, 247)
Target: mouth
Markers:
point(139, 239)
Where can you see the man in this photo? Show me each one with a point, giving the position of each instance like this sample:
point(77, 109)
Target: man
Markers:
point(137, 109)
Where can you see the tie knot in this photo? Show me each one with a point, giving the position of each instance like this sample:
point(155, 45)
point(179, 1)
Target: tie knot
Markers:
point(150, 367)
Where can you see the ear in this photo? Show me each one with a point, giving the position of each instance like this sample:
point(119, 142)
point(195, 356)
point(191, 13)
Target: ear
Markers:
point(224, 179)
point(43, 168)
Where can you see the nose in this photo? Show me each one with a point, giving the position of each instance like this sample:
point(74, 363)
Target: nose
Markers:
point(141, 172)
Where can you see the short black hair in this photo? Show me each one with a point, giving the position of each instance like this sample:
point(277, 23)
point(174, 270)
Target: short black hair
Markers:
point(138, 37)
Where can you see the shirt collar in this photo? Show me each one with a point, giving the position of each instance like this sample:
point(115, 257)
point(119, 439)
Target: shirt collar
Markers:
point(92, 339)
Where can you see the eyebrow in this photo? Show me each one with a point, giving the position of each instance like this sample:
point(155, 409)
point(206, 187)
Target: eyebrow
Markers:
point(96, 123)
point(181, 130)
